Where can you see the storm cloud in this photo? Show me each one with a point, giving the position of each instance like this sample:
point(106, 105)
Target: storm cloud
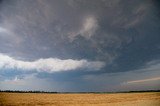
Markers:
point(78, 38)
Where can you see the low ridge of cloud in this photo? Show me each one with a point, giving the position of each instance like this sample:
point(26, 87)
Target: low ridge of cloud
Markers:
point(49, 64)
point(143, 80)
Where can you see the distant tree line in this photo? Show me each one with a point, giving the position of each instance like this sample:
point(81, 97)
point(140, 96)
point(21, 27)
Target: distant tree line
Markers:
point(20, 91)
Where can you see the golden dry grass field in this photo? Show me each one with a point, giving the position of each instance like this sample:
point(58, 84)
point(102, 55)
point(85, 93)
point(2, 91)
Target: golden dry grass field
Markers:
point(115, 99)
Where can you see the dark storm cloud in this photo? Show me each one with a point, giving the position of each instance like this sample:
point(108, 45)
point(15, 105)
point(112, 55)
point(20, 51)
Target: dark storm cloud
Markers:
point(120, 33)
point(80, 26)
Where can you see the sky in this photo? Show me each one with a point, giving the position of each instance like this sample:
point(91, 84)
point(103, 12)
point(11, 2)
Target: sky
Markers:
point(80, 45)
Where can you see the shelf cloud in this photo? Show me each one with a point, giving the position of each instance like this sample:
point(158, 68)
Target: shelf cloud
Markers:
point(49, 64)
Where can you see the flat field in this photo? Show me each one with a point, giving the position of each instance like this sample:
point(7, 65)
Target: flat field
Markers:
point(115, 99)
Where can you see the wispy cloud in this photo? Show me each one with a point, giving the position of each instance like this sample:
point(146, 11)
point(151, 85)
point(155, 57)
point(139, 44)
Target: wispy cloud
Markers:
point(9, 35)
point(3, 29)
point(90, 25)
point(143, 80)
point(88, 28)
point(49, 64)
